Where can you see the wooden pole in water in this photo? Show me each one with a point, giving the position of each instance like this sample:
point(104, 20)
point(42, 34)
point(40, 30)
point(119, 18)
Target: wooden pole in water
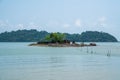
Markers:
point(109, 53)
point(91, 50)
point(87, 50)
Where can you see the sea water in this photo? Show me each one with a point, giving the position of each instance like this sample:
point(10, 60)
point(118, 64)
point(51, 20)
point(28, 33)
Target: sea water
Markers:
point(18, 61)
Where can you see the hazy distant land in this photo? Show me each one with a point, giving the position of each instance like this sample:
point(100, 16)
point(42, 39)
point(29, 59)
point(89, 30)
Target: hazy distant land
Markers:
point(35, 36)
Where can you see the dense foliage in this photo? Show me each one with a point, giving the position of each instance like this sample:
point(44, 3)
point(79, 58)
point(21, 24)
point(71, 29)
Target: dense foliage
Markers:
point(34, 36)
point(22, 36)
point(94, 36)
point(54, 37)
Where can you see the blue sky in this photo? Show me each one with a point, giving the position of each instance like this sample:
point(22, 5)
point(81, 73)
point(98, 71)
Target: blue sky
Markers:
point(72, 16)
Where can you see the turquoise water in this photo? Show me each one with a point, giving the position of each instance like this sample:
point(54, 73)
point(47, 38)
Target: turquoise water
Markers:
point(18, 61)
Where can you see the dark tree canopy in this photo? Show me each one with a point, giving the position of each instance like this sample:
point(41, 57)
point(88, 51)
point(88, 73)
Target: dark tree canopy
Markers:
point(34, 36)
point(23, 36)
point(94, 36)
point(54, 37)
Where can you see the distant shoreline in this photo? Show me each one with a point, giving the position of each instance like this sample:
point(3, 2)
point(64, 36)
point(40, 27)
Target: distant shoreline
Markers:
point(33, 35)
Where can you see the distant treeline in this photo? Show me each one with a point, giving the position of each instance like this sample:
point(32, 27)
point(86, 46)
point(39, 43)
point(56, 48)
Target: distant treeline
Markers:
point(34, 36)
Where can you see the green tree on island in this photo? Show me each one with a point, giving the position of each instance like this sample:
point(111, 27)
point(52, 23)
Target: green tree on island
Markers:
point(55, 37)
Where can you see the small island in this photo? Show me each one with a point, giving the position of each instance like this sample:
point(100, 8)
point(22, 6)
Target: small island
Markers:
point(59, 40)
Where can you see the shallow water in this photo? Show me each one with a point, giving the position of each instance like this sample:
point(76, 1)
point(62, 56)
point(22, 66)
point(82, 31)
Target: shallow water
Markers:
point(18, 61)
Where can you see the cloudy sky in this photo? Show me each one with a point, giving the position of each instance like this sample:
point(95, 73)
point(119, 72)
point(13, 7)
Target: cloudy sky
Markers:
point(72, 16)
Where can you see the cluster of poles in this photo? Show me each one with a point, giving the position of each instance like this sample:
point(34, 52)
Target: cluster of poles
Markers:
point(90, 50)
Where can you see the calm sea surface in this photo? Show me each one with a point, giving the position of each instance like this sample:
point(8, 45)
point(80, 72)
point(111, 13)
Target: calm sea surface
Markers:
point(18, 61)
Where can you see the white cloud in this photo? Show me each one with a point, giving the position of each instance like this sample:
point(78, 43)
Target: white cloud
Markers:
point(20, 26)
point(66, 25)
point(32, 25)
point(3, 23)
point(6, 26)
point(102, 21)
point(78, 23)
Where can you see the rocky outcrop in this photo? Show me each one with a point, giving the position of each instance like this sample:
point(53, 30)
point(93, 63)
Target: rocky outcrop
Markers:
point(62, 44)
